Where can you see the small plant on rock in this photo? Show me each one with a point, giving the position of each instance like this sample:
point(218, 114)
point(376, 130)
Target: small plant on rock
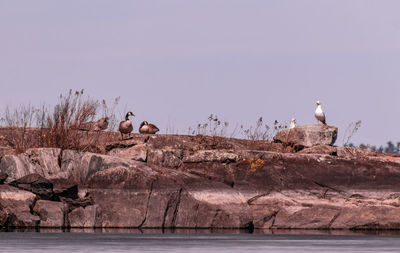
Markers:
point(351, 129)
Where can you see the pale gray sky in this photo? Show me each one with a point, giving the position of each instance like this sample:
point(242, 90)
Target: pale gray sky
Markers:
point(180, 61)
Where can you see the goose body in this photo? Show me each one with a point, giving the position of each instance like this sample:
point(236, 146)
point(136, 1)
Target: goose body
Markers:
point(146, 128)
point(125, 126)
point(319, 114)
point(101, 124)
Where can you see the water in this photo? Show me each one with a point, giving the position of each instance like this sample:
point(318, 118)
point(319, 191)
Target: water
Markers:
point(203, 241)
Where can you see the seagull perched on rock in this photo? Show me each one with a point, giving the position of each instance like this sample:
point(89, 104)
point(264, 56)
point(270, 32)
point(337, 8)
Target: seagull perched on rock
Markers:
point(319, 114)
point(292, 123)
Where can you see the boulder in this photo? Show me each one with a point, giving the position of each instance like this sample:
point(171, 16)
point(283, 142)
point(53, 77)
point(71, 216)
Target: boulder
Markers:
point(15, 207)
point(78, 167)
point(65, 190)
point(307, 136)
point(43, 161)
point(76, 203)
point(169, 158)
point(137, 152)
point(51, 213)
point(85, 217)
point(36, 184)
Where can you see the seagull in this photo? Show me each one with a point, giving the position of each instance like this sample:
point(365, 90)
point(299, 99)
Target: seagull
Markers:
point(292, 123)
point(319, 114)
point(146, 128)
point(125, 126)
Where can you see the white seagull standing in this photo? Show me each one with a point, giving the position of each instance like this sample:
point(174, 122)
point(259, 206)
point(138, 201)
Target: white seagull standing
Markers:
point(319, 114)
point(292, 123)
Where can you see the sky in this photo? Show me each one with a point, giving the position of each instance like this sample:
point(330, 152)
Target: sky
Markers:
point(175, 62)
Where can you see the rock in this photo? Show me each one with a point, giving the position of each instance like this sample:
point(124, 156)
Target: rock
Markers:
point(220, 207)
point(16, 205)
point(206, 182)
point(43, 161)
point(64, 190)
point(4, 214)
point(3, 177)
point(145, 197)
point(137, 152)
point(307, 136)
point(169, 158)
point(85, 217)
point(127, 143)
point(36, 184)
point(221, 156)
point(320, 149)
point(51, 213)
point(356, 153)
point(367, 217)
point(76, 203)
point(78, 167)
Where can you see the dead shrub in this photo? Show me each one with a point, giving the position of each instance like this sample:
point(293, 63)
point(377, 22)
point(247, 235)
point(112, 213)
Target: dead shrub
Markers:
point(30, 127)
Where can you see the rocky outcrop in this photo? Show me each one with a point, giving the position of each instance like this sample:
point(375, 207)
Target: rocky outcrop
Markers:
point(307, 136)
point(167, 181)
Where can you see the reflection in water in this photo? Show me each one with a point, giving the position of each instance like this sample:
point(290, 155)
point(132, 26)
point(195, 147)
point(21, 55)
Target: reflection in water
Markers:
point(195, 241)
point(208, 231)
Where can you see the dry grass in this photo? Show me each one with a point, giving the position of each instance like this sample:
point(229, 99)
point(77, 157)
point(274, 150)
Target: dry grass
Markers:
point(217, 127)
point(31, 127)
point(214, 127)
point(351, 129)
point(262, 131)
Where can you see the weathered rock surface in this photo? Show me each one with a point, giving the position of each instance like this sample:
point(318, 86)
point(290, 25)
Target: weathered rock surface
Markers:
point(51, 213)
point(85, 217)
point(15, 207)
point(3, 177)
point(307, 136)
point(36, 184)
point(43, 161)
point(167, 181)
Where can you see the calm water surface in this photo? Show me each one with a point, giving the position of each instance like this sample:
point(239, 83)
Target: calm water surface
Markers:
point(196, 242)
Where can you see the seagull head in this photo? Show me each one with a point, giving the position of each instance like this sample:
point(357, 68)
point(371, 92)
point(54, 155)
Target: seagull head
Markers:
point(318, 103)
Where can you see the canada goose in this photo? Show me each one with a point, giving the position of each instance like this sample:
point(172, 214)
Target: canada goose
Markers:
point(101, 124)
point(146, 128)
point(293, 123)
point(125, 127)
point(319, 114)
